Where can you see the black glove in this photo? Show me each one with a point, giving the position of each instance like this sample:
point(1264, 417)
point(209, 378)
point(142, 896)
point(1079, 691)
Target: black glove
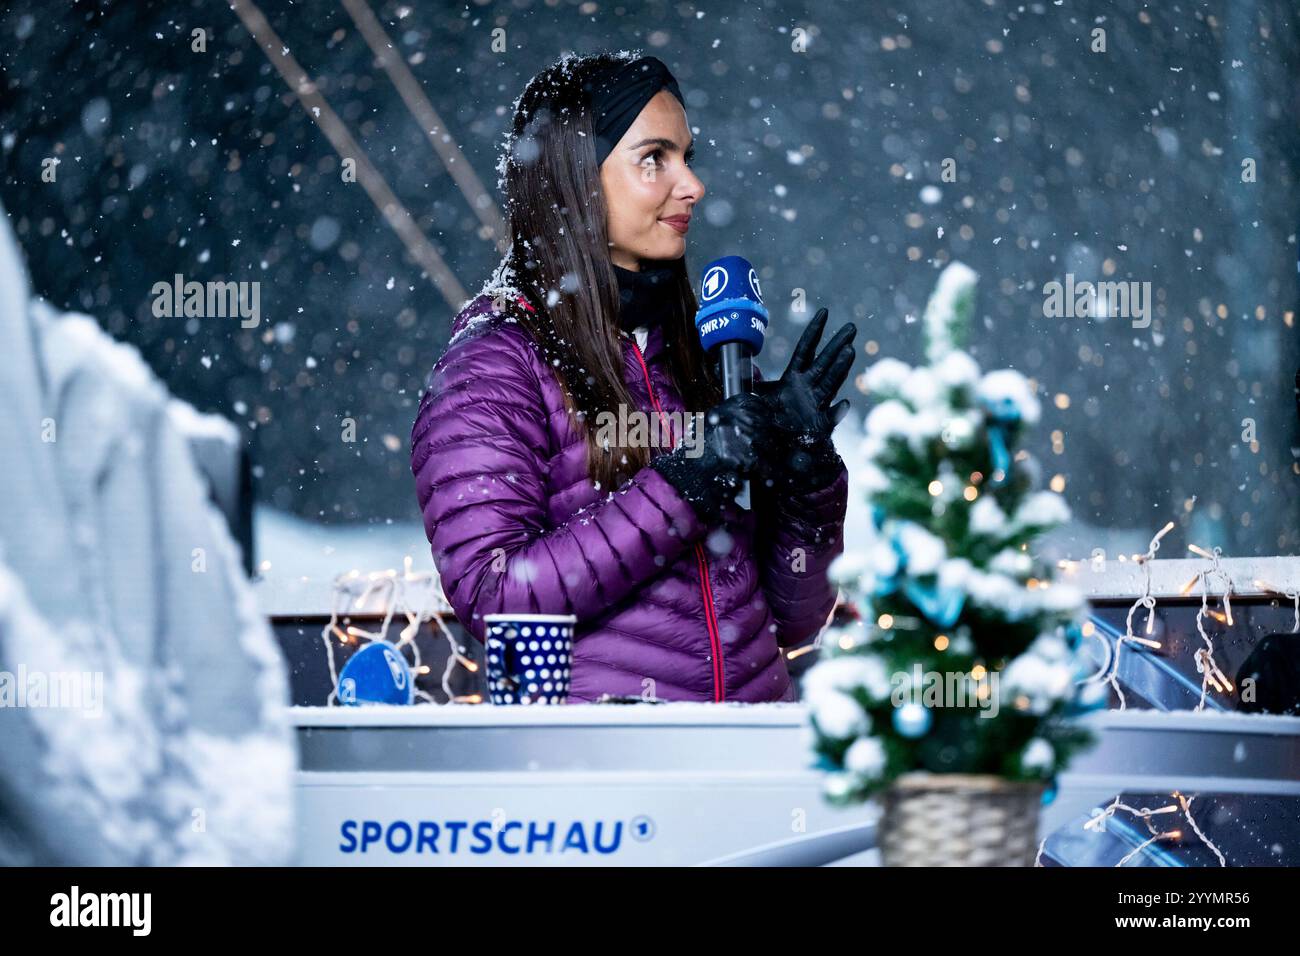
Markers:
point(708, 469)
point(804, 457)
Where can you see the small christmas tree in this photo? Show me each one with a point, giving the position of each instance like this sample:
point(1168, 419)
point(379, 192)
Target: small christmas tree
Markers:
point(964, 657)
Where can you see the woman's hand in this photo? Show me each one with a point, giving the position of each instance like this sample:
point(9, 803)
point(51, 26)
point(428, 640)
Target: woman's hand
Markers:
point(737, 433)
point(802, 415)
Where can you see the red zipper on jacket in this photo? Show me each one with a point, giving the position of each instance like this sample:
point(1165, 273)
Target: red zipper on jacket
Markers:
point(706, 588)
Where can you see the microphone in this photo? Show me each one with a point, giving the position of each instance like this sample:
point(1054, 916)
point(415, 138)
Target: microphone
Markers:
point(732, 323)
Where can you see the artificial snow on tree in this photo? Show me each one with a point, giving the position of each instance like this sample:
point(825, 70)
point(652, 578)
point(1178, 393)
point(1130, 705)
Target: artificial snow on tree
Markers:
point(964, 658)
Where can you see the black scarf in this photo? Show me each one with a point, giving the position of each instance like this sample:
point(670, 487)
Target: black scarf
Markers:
point(645, 296)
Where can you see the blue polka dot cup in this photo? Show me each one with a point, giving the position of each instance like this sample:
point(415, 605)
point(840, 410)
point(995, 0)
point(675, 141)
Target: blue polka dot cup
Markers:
point(529, 657)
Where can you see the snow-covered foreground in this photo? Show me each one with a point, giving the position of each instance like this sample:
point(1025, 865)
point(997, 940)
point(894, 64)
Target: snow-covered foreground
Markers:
point(120, 581)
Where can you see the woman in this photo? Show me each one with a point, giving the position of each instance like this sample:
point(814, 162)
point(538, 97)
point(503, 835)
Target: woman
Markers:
point(679, 593)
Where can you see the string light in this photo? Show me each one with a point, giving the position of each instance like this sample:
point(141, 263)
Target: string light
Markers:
point(1211, 675)
point(1294, 596)
point(1186, 803)
point(1171, 835)
point(1098, 823)
point(1109, 671)
point(415, 596)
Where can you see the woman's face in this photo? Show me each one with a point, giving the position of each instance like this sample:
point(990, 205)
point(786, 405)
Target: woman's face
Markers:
point(650, 189)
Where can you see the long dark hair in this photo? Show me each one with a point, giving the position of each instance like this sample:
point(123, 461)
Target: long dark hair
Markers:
point(559, 259)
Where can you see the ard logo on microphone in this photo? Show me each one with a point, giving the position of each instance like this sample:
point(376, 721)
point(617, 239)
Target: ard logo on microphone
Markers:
point(715, 280)
point(731, 306)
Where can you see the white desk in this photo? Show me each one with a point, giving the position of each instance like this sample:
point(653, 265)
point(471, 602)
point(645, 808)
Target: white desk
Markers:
point(644, 784)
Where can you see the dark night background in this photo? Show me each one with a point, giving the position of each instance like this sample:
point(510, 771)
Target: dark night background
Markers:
point(823, 167)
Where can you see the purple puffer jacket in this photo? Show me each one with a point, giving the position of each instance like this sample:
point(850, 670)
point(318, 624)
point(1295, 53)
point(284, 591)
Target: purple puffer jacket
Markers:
point(666, 606)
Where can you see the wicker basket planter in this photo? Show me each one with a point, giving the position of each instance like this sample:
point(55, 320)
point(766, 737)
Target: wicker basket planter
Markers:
point(959, 820)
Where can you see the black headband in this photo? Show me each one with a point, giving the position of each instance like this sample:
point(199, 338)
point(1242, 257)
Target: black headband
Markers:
point(619, 94)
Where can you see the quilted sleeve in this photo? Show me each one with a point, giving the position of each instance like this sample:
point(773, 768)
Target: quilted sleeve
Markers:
point(803, 535)
point(479, 453)
point(798, 538)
